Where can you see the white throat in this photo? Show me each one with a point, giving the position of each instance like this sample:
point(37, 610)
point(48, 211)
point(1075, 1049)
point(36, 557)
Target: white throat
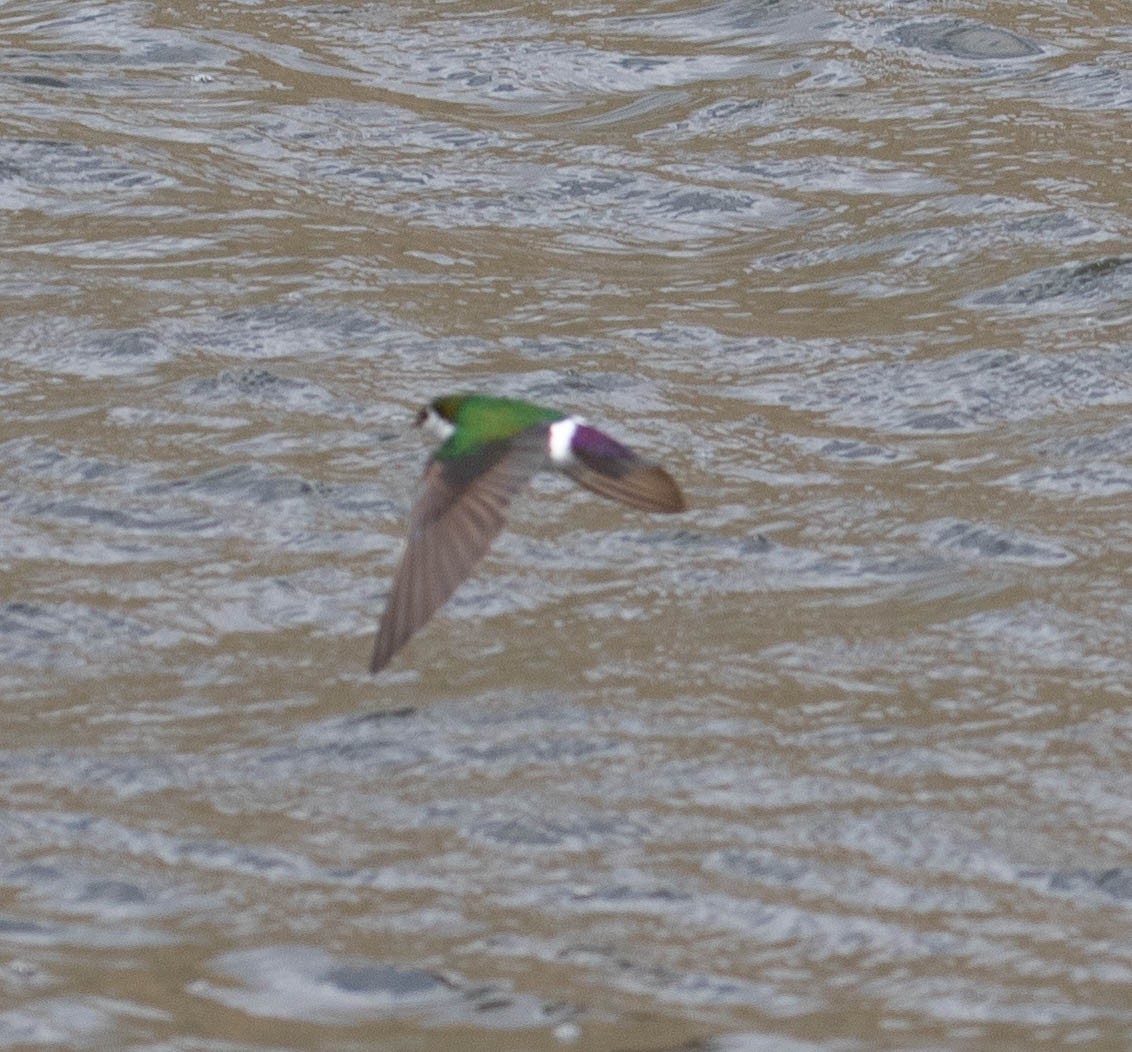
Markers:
point(437, 426)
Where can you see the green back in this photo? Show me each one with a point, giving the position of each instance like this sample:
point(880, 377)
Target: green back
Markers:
point(481, 419)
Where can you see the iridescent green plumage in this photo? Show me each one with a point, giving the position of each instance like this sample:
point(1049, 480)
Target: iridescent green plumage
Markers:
point(483, 419)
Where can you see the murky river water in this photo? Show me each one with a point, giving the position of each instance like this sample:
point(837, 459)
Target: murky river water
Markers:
point(839, 759)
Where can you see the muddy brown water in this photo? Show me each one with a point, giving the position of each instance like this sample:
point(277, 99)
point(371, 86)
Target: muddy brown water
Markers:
point(839, 759)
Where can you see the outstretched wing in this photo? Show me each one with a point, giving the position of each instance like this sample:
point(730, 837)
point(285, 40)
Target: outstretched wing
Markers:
point(461, 509)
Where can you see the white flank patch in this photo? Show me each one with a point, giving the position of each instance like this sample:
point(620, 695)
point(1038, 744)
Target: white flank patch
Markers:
point(561, 435)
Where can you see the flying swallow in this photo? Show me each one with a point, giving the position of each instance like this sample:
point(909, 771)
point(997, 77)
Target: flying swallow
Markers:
point(491, 448)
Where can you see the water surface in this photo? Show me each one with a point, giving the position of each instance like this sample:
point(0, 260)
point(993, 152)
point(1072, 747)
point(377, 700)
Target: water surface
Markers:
point(836, 760)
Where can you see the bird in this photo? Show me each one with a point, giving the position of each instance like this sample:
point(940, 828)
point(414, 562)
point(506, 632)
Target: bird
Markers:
point(490, 449)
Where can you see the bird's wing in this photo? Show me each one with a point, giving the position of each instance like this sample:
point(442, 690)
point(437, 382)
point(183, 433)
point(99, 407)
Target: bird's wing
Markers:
point(462, 506)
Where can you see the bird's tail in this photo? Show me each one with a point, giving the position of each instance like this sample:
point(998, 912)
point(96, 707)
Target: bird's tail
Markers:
point(629, 479)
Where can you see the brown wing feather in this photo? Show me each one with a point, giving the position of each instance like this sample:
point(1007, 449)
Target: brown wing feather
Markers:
point(461, 509)
point(631, 480)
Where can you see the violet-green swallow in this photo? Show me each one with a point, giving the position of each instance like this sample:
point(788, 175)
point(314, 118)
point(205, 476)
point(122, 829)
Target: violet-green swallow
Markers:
point(491, 448)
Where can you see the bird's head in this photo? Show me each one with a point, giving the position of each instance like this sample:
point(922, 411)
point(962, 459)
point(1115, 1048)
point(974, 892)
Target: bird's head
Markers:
point(439, 416)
